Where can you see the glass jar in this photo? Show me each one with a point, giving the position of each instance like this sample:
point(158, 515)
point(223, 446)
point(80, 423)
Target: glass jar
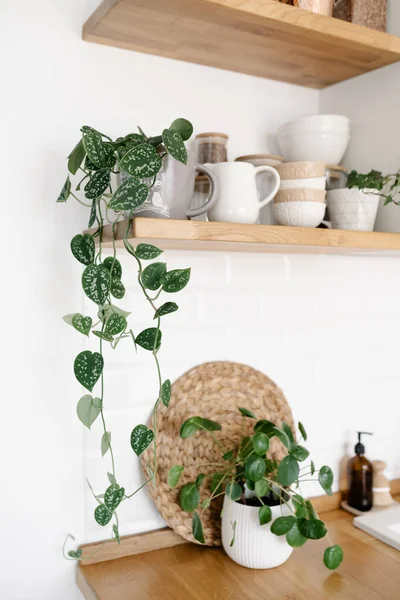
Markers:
point(211, 147)
point(336, 177)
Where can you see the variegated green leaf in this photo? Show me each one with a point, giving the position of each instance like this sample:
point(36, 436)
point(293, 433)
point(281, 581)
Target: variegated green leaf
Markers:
point(166, 309)
point(153, 274)
point(111, 159)
point(102, 515)
point(103, 336)
point(141, 161)
point(116, 534)
point(174, 281)
point(65, 192)
point(97, 184)
point(76, 157)
point(93, 213)
point(88, 409)
point(88, 366)
point(113, 265)
point(166, 392)
point(141, 438)
point(115, 324)
point(113, 496)
point(96, 283)
point(129, 195)
point(146, 338)
point(117, 288)
point(81, 323)
point(147, 251)
point(110, 309)
point(105, 442)
point(82, 247)
point(174, 144)
point(94, 148)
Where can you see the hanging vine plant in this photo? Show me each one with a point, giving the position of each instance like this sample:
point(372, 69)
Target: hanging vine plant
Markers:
point(98, 158)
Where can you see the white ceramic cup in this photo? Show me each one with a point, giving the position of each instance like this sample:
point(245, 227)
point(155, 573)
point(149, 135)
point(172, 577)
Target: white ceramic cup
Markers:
point(237, 196)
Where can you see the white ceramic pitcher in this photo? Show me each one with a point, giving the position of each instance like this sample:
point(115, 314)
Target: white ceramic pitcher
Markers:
point(237, 196)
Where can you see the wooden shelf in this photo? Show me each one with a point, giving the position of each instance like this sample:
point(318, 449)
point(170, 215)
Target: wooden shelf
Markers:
point(264, 38)
point(235, 237)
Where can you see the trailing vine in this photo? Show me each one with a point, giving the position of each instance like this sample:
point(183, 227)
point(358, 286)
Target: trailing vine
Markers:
point(139, 158)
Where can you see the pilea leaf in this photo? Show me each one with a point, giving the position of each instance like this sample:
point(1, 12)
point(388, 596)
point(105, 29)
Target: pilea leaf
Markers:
point(325, 478)
point(333, 556)
point(299, 452)
point(312, 529)
point(174, 281)
point(141, 161)
point(173, 142)
point(129, 195)
point(197, 528)
point(105, 442)
point(174, 475)
point(183, 127)
point(113, 265)
point(102, 515)
point(147, 338)
point(286, 429)
point(166, 392)
point(255, 468)
point(233, 491)
point(88, 367)
point(117, 288)
point(65, 191)
point(113, 496)
point(193, 424)
point(288, 471)
point(88, 409)
point(82, 324)
point(189, 497)
point(76, 157)
point(153, 274)
point(147, 251)
point(94, 148)
point(247, 413)
point(166, 309)
point(83, 249)
point(260, 443)
point(303, 431)
point(96, 283)
point(282, 525)
point(93, 213)
point(115, 324)
point(97, 184)
point(264, 515)
point(141, 438)
point(295, 538)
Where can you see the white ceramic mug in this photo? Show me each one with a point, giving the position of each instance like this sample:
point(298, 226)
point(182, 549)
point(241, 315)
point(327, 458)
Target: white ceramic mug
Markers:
point(237, 197)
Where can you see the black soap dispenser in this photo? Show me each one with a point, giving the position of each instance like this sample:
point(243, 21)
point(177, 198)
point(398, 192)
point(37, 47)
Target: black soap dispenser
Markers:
point(359, 473)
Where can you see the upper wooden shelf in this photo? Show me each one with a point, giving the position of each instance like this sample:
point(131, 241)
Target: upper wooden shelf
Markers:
point(257, 37)
point(235, 237)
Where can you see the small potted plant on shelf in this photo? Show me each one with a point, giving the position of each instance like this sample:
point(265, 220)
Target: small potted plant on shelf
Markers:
point(355, 207)
point(264, 516)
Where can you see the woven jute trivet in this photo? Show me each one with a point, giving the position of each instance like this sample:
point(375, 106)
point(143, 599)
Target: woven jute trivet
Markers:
point(212, 390)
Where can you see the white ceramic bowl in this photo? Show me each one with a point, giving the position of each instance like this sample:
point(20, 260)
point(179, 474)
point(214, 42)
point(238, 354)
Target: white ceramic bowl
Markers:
point(311, 182)
point(326, 147)
point(299, 214)
point(319, 123)
point(353, 209)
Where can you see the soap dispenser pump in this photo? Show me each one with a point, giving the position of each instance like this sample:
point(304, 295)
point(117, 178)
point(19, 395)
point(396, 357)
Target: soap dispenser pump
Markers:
point(360, 478)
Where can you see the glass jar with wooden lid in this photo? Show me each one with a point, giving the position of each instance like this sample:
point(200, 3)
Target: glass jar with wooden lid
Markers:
point(211, 147)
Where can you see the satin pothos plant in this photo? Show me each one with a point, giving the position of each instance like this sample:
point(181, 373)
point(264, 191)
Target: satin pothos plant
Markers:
point(247, 475)
point(98, 159)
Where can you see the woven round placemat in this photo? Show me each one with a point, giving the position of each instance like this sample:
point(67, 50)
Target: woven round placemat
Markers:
point(212, 390)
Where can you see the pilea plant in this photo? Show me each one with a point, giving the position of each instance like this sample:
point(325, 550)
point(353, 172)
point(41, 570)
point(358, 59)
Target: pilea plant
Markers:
point(250, 477)
point(387, 186)
point(99, 159)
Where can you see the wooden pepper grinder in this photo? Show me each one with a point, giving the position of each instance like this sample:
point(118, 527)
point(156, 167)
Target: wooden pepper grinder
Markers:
point(381, 486)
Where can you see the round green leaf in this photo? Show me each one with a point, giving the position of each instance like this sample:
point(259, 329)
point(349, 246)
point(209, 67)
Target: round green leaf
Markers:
point(82, 247)
point(173, 143)
point(312, 529)
point(197, 529)
point(117, 288)
point(174, 475)
point(193, 424)
point(147, 251)
point(88, 367)
point(282, 525)
point(115, 324)
point(262, 488)
point(97, 184)
point(303, 431)
point(282, 436)
point(333, 556)
point(174, 281)
point(247, 413)
point(130, 194)
point(183, 127)
point(294, 538)
point(255, 468)
point(96, 283)
point(88, 409)
point(102, 515)
point(260, 443)
point(166, 392)
point(264, 515)
point(189, 497)
point(141, 161)
point(166, 309)
point(325, 478)
point(141, 438)
point(299, 452)
point(288, 471)
point(113, 496)
point(265, 426)
point(153, 274)
point(81, 323)
point(147, 338)
point(233, 491)
point(113, 264)
point(287, 430)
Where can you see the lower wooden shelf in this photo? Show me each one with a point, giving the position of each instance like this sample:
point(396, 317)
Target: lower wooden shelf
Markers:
point(236, 237)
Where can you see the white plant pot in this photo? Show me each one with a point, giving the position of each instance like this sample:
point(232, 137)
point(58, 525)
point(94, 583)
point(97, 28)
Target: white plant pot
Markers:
point(353, 209)
point(254, 545)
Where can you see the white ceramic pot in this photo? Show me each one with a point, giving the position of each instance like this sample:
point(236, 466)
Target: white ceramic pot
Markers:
point(299, 214)
point(328, 147)
point(254, 545)
point(353, 209)
point(311, 182)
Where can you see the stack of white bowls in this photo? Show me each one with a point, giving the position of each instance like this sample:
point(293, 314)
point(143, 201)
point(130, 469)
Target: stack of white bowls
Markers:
point(300, 201)
point(318, 138)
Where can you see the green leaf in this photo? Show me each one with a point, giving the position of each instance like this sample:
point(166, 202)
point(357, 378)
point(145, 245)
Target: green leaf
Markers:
point(141, 161)
point(193, 424)
point(174, 281)
point(189, 497)
point(153, 274)
point(197, 528)
point(174, 475)
point(111, 159)
point(166, 392)
point(88, 366)
point(206, 503)
point(65, 192)
point(312, 468)
point(113, 265)
point(299, 452)
point(116, 534)
point(228, 455)
point(312, 529)
point(94, 148)
point(325, 478)
point(96, 283)
point(260, 443)
point(302, 431)
point(255, 468)
point(113, 496)
point(265, 426)
point(97, 184)
point(76, 157)
point(264, 515)
point(117, 288)
point(333, 556)
point(282, 525)
point(281, 435)
point(103, 336)
point(147, 339)
point(199, 479)
point(105, 442)
point(115, 324)
point(288, 471)
point(183, 127)
point(102, 515)
point(298, 503)
point(111, 478)
point(165, 309)
point(262, 488)
point(247, 413)
point(130, 194)
point(217, 482)
point(141, 438)
point(287, 430)
point(88, 409)
point(93, 213)
point(83, 249)
point(81, 323)
point(75, 553)
point(234, 534)
point(110, 309)
point(294, 538)
point(147, 251)
point(233, 491)
point(173, 143)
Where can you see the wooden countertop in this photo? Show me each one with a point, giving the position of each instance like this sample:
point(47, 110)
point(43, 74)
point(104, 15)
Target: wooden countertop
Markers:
point(370, 571)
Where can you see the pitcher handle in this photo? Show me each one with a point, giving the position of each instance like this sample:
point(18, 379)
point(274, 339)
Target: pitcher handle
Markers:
point(275, 189)
point(196, 212)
